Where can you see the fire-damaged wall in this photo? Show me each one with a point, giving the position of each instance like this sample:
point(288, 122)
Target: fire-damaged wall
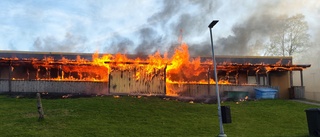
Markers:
point(137, 81)
point(205, 90)
point(84, 87)
point(82, 79)
point(54, 72)
point(31, 75)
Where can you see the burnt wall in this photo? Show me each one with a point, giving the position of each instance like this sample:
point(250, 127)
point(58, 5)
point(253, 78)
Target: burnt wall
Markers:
point(205, 90)
point(55, 86)
point(137, 81)
point(57, 72)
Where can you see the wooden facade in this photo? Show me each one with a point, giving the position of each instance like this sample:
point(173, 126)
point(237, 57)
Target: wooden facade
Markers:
point(127, 82)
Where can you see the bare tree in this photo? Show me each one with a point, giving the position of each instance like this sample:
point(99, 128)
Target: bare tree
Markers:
point(290, 37)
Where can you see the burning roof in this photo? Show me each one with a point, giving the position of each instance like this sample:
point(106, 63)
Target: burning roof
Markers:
point(180, 67)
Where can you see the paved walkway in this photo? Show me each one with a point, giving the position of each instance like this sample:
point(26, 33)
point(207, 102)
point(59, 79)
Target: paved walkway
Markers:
point(307, 102)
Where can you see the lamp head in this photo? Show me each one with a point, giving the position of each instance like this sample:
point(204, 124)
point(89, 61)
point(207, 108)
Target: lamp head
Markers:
point(214, 22)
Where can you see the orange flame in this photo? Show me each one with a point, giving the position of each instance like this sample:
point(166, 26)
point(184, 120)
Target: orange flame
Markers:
point(180, 68)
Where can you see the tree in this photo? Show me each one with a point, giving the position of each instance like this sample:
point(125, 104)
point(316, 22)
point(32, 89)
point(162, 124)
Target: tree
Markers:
point(289, 37)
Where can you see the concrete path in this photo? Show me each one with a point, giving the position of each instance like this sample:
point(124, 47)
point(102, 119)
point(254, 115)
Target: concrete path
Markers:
point(307, 102)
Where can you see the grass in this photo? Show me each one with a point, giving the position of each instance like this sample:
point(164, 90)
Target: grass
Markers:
point(149, 116)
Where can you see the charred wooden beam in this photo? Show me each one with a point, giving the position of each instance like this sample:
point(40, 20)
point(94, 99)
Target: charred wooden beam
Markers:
point(132, 62)
point(10, 76)
point(301, 77)
point(220, 66)
point(126, 62)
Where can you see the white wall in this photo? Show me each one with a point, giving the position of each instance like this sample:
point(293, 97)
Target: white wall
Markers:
point(311, 76)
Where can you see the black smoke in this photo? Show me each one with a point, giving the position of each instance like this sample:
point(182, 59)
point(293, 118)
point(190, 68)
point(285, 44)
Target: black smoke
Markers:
point(188, 24)
point(151, 41)
point(246, 34)
point(175, 22)
point(119, 44)
point(186, 20)
point(178, 21)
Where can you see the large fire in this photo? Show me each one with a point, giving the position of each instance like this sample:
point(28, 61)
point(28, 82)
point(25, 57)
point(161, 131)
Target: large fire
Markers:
point(179, 68)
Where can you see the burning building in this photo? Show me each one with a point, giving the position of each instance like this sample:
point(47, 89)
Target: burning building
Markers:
point(177, 75)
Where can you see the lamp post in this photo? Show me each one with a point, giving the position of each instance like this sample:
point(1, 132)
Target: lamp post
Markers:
point(221, 134)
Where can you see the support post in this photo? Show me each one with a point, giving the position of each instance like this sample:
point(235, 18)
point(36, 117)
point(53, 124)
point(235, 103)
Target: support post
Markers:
point(28, 74)
point(268, 79)
point(58, 72)
point(165, 79)
point(10, 76)
point(208, 81)
point(291, 79)
point(257, 77)
point(237, 77)
point(109, 82)
point(49, 73)
point(39, 106)
point(37, 74)
point(301, 77)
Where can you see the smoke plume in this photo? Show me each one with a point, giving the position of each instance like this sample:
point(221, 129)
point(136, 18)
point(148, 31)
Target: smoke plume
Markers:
point(194, 25)
point(245, 35)
point(191, 24)
point(119, 44)
point(150, 41)
point(188, 20)
point(176, 21)
point(70, 43)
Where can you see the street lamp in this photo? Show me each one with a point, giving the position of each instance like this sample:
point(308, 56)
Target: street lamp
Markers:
point(221, 134)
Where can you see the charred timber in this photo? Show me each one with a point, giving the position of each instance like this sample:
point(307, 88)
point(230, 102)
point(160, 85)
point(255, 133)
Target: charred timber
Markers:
point(133, 62)
point(221, 66)
point(42, 62)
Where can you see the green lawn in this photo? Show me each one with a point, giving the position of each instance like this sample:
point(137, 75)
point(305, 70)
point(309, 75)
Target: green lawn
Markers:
point(149, 116)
